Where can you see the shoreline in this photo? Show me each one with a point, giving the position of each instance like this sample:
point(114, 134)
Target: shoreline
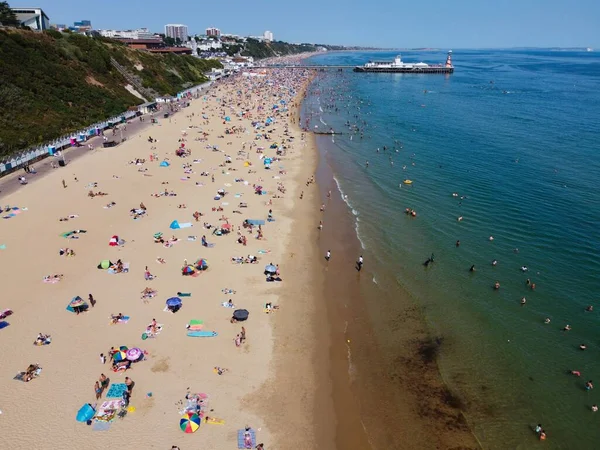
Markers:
point(299, 382)
point(397, 386)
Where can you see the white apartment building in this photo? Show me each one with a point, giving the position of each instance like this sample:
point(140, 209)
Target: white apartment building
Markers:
point(268, 36)
point(175, 31)
point(140, 33)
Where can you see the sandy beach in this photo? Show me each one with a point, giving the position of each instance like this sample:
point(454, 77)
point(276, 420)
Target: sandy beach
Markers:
point(267, 382)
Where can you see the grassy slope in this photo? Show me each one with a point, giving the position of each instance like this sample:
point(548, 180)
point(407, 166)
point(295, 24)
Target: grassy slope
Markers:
point(52, 84)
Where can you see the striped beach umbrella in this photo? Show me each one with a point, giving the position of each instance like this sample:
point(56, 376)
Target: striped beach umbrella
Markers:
point(133, 354)
point(190, 422)
point(76, 302)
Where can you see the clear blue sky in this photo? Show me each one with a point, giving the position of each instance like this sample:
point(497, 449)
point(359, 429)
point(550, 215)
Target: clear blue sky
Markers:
point(382, 23)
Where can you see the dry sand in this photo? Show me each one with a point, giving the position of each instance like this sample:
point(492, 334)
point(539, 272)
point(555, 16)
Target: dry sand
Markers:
point(270, 384)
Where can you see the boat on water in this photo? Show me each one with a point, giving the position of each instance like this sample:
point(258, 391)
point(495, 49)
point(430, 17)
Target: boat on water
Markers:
point(398, 66)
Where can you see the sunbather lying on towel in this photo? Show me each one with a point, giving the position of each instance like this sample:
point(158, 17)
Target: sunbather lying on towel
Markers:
point(42, 339)
point(31, 372)
point(53, 278)
point(116, 318)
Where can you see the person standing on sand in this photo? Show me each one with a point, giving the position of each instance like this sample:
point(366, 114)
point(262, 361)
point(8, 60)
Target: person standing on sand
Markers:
point(98, 390)
point(359, 263)
point(64, 183)
point(328, 255)
point(92, 300)
point(130, 384)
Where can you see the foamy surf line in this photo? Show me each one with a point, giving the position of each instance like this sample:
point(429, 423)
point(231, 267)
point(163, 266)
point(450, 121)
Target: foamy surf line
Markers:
point(355, 212)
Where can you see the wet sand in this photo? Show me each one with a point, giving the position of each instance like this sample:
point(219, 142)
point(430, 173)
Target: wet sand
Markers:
point(388, 392)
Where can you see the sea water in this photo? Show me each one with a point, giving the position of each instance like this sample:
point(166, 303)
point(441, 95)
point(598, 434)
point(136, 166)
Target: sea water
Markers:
point(510, 144)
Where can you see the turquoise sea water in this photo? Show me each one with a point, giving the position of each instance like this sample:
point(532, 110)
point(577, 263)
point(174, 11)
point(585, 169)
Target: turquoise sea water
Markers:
point(516, 135)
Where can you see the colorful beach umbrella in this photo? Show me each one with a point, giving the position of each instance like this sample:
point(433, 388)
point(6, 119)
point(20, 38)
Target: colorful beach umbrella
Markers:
point(190, 422)
point(187, 270)
point(133, 354)
point(120, 355)
point(76, 302)
point(201, 264)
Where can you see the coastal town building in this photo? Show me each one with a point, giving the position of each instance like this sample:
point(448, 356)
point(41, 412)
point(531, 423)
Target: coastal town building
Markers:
point(177, 31)
point(83, 26)
point(140, 33)
point(34, 18)
point(268, 36)
point(213, 32)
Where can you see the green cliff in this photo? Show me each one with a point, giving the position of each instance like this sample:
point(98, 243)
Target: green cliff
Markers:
point(52, 84)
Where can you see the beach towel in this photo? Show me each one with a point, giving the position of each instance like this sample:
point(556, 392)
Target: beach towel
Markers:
point(101, 426)
point(192, 238)
point(108, 410)
point(227, 305)
point(184, 294)
point(196, 322)
point(264, 252)
point(241, 440)
point(2, 246)
point(214, 421)
point(202, 333)
point(116, 390)
point(195, 327)
point(4, 324)
point(123, 319)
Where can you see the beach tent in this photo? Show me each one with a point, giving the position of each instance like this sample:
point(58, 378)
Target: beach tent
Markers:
point(164, 164)
point(175, 225)
point(267, 162)
point(104, 264)
point(227, 119)
point(114, 241)
point(85, 413)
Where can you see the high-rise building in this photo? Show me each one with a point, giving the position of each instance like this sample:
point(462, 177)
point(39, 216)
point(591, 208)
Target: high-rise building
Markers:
point(177, 31)
point(213, 32)
point(268, 36)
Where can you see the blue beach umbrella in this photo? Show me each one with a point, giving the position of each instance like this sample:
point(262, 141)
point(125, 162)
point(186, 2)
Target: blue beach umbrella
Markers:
point(270, 268)
point(174, 301)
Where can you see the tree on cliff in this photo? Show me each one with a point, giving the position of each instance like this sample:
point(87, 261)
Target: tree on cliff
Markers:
point(7, 17)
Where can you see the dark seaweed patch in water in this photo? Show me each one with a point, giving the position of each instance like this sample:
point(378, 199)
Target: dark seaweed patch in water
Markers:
point(452, 400)
point(429, 349)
